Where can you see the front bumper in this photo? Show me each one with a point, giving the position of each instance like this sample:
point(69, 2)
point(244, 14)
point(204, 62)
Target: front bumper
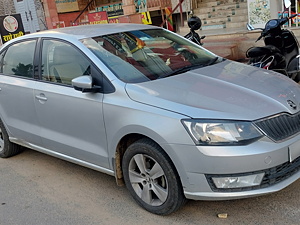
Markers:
point(272, 176)
point(210, 195)
point(280, 163)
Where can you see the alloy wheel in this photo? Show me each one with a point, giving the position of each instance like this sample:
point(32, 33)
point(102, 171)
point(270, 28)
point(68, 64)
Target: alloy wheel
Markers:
point(148, 179)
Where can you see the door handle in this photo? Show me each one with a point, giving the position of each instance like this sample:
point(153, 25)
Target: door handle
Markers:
point(26, 16)
point(30, 15)
point(41, 97)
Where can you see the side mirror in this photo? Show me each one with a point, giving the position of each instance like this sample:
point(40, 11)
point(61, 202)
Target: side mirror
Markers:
point(85, 84)
point(250, 27)
point(287, 3)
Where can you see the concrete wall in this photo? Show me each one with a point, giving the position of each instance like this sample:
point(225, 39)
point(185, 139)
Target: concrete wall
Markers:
point(50, 13)
point(41, 15)
point(276, 6)
point(7, 7)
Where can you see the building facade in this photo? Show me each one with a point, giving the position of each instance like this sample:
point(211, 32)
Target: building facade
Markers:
point(48, 14)
point(31, 11)
point(60, 13)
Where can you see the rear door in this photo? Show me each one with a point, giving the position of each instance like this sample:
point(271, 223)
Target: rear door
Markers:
point(17, 108)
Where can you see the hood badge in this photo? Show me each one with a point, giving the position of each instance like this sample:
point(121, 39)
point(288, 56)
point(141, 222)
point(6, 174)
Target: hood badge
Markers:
point(292, 104)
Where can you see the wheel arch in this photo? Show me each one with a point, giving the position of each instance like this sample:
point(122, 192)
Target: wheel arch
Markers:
point(121, 148)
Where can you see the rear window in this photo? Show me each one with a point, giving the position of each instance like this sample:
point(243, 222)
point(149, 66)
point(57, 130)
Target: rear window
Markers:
point(18, 59)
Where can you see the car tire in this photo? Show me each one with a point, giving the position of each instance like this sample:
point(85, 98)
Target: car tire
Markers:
point(151, 178)
point(7, 149)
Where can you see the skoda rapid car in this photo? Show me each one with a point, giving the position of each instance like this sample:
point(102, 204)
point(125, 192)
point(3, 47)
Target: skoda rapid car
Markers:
point(169, 119)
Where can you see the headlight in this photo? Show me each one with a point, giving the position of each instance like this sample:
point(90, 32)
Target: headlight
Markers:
point(221, 132)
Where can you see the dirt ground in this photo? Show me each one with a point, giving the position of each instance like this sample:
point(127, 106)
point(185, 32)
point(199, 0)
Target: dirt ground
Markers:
point(39, 189)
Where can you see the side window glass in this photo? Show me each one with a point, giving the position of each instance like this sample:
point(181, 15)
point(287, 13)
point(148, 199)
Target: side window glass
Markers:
point(62, 62)
point(18, 59)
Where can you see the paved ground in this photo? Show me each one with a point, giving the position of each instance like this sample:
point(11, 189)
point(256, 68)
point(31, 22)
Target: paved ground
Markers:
point(39, 189)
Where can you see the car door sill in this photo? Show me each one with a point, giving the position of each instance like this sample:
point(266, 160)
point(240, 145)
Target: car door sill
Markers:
point(62, 156)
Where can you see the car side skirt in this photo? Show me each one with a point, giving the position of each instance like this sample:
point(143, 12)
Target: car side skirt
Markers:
point(62, 156)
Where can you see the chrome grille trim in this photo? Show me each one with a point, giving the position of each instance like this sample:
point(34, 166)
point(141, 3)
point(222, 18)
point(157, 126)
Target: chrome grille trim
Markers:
point(280, 127)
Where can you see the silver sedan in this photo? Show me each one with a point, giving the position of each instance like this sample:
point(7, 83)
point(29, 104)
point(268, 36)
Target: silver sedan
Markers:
point(169, 119)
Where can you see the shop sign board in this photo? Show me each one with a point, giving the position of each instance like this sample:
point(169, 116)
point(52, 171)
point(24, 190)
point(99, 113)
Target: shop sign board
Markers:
point(259, 12)
point(111, 10)
point(135, 18)
point(141, 18)
point(117, 9)
point(146, 18)
point(141, 5)
point(98, 18)
point(117, 19)
point(63, 6)
point(11, 27)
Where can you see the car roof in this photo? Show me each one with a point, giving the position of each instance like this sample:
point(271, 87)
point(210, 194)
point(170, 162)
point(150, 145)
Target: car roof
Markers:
point(86, 31)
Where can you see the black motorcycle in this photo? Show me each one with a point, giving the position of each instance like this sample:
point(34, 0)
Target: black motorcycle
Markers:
point(194, 24)
point(281, 50)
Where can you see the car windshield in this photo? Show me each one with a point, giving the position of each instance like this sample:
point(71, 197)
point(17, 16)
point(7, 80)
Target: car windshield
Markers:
point(144, 55)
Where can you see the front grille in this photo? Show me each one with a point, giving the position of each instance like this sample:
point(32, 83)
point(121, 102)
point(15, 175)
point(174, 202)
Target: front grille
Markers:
point(280, 127)
point(272, 176)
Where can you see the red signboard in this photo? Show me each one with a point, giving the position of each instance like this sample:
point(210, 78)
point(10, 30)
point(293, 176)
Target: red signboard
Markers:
point(98, 17)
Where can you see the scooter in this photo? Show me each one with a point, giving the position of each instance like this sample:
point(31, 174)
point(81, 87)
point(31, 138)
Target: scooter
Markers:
point(194, 24)
point(281, 50)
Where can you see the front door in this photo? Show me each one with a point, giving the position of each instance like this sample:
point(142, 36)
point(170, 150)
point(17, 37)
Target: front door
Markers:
point(71, 121)
point(28, 14)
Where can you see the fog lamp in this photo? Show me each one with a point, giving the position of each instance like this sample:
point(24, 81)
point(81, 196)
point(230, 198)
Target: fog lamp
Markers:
point(238, 181)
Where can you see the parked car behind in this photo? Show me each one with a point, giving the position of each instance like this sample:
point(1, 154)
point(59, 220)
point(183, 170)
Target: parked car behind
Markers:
point(166, 117)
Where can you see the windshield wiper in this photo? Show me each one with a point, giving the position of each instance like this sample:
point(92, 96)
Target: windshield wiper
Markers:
point(181, 70)
point(212, 61)
point(188, 68)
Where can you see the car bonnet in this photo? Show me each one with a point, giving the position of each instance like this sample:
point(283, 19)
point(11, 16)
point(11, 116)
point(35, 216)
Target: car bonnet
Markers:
point(227, 90)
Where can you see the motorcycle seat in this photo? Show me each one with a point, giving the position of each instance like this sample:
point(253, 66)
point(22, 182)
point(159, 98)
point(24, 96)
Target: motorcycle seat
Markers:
point(260, 51)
